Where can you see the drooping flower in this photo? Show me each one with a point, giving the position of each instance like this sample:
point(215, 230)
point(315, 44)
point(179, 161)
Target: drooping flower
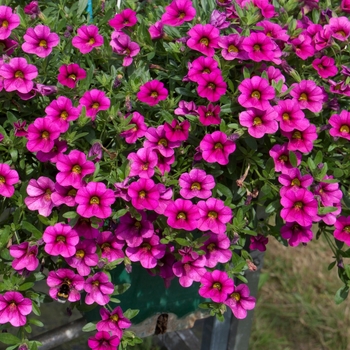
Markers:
point(138, 130)
point(258, 242)
point(294, 180)
point(190, 270)
point(216, 285)
point(94, 101)
point(339, 27)
point(152, 92)
point(103, 341)
point(280, 155)
point(239, 301)
point(122, 45)
point(232, 47)
point(8, 178)
point(204, 38)
point(32, 9)
point(18, 74)
point(340, 125)
point(211, 86)
point(8, 21)
point(142, 163)
point(126, 18)
point(87, 38)
point(164, 163)
point(217, 249)
point(302, 141)
point(144, 194)
point(98, 288)
point(60, 239)
point(85, 229)
point(39, 192)
point(259, 47)
point(25, 256)
point(73, 167)
point(325, 67)
point(182, 214)
point(40, 41)
point(177, 131)
point(196, 183)
point(329, 193)
point(178, 12)
point(290, 116)
point(186, 108)
point(216, 148)
point(58, 148)
point(256, 93)
point(14, 307)
point(296, 234)
point(70, 74)
point(20, 128)
point(95, 199)
point(202, 65)
point(166, 195)
point(156, 30)
point(342, 229)
point(111, 247)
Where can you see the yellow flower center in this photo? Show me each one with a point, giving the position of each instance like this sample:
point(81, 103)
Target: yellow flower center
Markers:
point(47, 195)
point(19, 74)
point(76, 169)
point(213, 215)
point(60, 238)
point(43, 43)
point(95, 200)
point(346, 228)
point(95, 105)
point(232, 48)
point(2, 180)
point(285, 116)
point(181, 216)
point(283, 158)
point(195, 186)
point(256, 47)
point(105, 246)
point(298, 205)
point(91, 41)
point(344, 128)
point(163, 142)
point(236, 296)
point(211, 247)
point(146, 246)
point(142, 194)
point(144, 166)
point(72, 192)
point(342, 33)
point(303, 97)
point(296, 135)
point(114, 318)
point(72, 76)
point(154, 94)
point(204, 41)
point(137, 224)
point(211, 86)
point(5, 24)
point(217, 286)
point(45, 135)
point(209, 114)
point(218, 145)
point(182, 15)
point(295, 182)
point(257, 121)
point(256, 94)
point(96, 283)
point(80, 254)
point(64, 115)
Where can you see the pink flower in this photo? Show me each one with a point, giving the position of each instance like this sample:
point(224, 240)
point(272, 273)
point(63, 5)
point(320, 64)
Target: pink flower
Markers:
point(296, 234)
point(148, 253)
point(209, 115)
point(178, 12)
point(73, 168)
point(40, 41)
point(211, 86)
point(144, 194)
point(339, 27)
point(258, 242)
point(177, 131)
point(84, 258)
point(98, 287)
point(95, 200)
point(204, 38)
point(122, 45)
point(32, 9)
point(259, 122)
point(190, 271)
point(18, 74)
point(64, 195)
point(302, 46)
point(8, 178)
point(152, 92)
point(340, 125)
point(342, 229)
point(58, 148)
point(186, 108)
point(111, 247)
point(256, 93)
point(137, 131)
point(39, 192)
point(239, 301)
point(216, 147)
point(103, 341)
point(329, 193)
point(259, 47)
point(280, 155)
point(113, 321)
point(156, 30)
point(55, 279)
point(126, 18)
point(13, 306)
point(217, 249)
point(166, 195)
point(196, 183)
point(70, 74)
point(182, 214)
point(87, 38)
point(325, 67)
point(308, 95)
point(299, 206)
point(293, 180)
point(84, 229)
point(302, 141)
point(8, 21)
point(232, 47)
point(345, 6)
point(25, 256)
point(20, 130)
point(274, 30)
point(213, 215)
point(60, 239)
point(164, 163)
point(202, 65)
point(94, 101)
point(216, 285)
point(290, 116)
point(143, 163)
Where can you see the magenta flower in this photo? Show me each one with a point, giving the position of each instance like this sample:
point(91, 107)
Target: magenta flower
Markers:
point(25, 256)
point(308, 95)
point(138, 130)
point(240, 301)
point(340, 125)
point(178, 12)
point(95, 199)
point(256, 93)
point(325, 67)
point(70, 74)
point(202, 65)
point(142, 163)
point(216, 148)
point(87, 38)
point(164, 163)
point(345, 6)
point(182, 214)
point(186, 108)
point(190, 271)
point(126, 18)
point(299, 206)
point(55, 279)
point(166, 195)
point(98, 287)
point(217, 249)
point(339, 27)
point(342, 229)
point(40, 41)
point(144, 194)
point(302, 141)
point(20, 130)
point(211, 86)
point(148, 253)
point(216, 285)
point(280, 155)
point(214, 215)
point(103, 341)
point(209, 115)
point(133, 231)
point(111, 247)
point(60, 239)
point(18, 74)
point(177, 131)
point(73, 168)
point(258, 242)
point(42, 135)
point(39, 192)
point(84, 258)
point(156, 30)
point(274, 31)
point(113, 321)
point(32, 9)
point(259, 47)
point(94, 101)
point(13, 306)
point(8, 21)
point(303, 47)
point(294, 180)
point(296, 234)
point(8, 46)
point(290, 116)
point(58, 148)
point(196, 183)
point(84, 229)
point(204, 38)
point(8, 178)
point(329, 193)
point(259, 122)
point(61, 112)
point(122, 45)
point(232, 47)
point(64, 195)
point(152, 92)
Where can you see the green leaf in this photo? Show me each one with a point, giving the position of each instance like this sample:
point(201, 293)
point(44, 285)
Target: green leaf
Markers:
point(32, 229)
point(35, 322)
point(341, 295)
point(326, 210)
point(319, 157)
point(263, 279)
point(293, 159)
point(129, 313)
point(82, 4)
point(223, 190)
point(70, 215)
point(25, 286)
point(36, 309)
point(121, 288)
point(114, 300)
point(89, 327)
point(9, 339)
point(182, 241)
point(331, 265)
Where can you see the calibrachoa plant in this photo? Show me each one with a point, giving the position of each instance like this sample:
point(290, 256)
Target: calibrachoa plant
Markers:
point(168, 134)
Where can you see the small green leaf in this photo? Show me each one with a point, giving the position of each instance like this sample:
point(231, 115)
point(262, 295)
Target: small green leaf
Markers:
point(129, 313)
point(331, 265)
point(326, 210)
point(293, 159)
point(121, 288)
point(9, 339)
point(182, 241)
point(82, 4)
point(341, 294)
point(36, 309)
point(223, 190)
point(25, 286)
point(32, 229)
point(89, 327)
point(35, 322)
point(70, 215)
